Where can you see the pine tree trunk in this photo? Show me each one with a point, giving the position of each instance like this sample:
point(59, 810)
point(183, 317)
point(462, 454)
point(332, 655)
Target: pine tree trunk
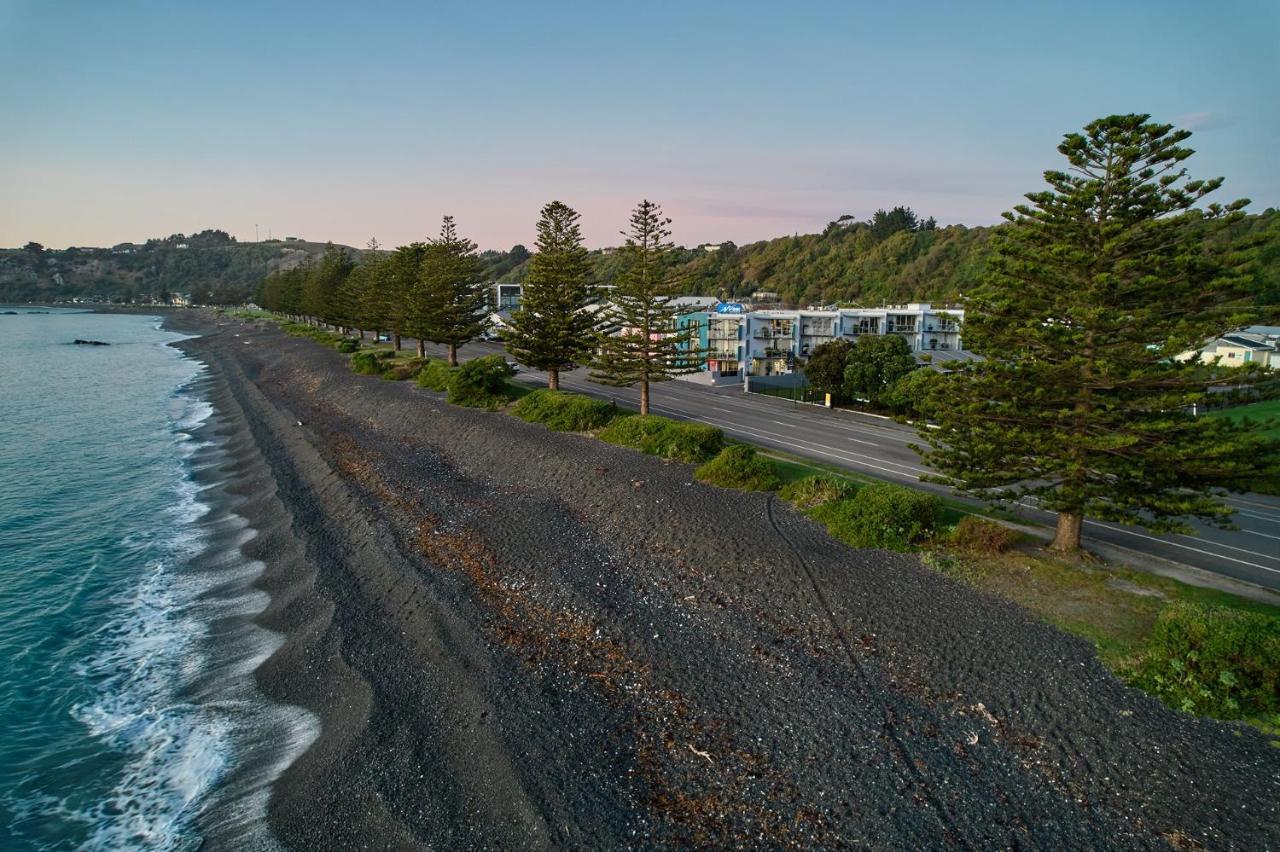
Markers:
point(453, 354)
point(422, 349)
point(1067, 538)
point(644, 396)
point(395, 341)
point(553, 379)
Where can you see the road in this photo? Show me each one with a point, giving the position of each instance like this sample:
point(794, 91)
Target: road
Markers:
point(880, 448)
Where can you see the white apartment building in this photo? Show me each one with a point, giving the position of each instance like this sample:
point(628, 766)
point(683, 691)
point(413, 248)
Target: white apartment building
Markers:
point(769, 342)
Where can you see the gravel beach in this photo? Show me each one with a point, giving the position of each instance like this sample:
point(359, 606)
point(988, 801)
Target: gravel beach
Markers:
point(520, 639)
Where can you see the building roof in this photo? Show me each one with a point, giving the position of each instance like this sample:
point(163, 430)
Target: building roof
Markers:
point(1246, 341)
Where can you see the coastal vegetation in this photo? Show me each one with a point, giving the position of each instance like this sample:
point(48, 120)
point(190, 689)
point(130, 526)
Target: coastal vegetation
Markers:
point(564, 412)
point(739, 466)
point(553, 329)
point(675, 440)
point(480, 383)
point(651, 347)
point(882, 515)
point(447, 292)
point(1094, 288)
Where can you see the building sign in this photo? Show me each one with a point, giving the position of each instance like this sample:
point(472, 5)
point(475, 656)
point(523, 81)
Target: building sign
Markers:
point(729, 308)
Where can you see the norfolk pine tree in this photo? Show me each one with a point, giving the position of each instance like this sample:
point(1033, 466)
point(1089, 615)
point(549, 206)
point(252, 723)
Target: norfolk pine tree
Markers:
point(448, 304)
point(552, 331)
point(1096, 285)
point(650, 347)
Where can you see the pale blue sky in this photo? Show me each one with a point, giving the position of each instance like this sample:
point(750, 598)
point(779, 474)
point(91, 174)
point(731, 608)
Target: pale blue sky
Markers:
point(745, 120)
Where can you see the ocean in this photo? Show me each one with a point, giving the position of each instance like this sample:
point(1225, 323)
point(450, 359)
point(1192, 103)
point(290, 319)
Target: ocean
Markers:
point(129, 714)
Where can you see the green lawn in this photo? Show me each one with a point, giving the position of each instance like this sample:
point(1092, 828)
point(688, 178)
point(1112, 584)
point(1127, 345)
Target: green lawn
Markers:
point(1257, 412)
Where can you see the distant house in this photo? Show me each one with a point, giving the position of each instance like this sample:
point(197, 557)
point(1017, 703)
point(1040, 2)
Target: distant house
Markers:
point(1257, 344)
point(182, 246)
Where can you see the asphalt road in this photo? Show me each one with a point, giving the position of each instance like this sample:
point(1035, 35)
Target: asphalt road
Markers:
point(880, 448)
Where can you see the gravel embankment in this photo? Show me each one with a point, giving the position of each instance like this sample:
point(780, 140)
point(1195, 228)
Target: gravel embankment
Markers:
point(520, 639)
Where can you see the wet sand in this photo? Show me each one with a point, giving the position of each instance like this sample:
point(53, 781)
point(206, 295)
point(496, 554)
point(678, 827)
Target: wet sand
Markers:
point(519, 639)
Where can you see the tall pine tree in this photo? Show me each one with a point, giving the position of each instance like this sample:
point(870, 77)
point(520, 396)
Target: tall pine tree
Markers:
point(397, 284)
point(553, 330)
point(1097, 284)
point(448, 304)
point(650, 346)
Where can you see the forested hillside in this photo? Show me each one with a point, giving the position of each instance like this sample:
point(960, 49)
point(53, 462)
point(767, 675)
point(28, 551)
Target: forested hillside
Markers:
point(211, 267)
point(891, 257)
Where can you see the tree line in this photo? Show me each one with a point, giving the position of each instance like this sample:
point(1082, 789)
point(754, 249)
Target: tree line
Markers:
point(1082, 406)
point(439, 291)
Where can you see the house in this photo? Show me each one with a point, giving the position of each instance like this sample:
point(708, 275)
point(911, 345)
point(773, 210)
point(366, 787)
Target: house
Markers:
point(1258, 344)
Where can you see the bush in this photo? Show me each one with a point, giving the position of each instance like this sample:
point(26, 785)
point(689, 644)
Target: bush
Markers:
point(816, 490)
point(398, 371)
point(481, 383)
point(980, 536)
point(670, 439)
point(882, 515)
point(738, 466)
point(371, 362)
point(347, 345)
point(436, 375)
point(564, 412)
point(1213, 660)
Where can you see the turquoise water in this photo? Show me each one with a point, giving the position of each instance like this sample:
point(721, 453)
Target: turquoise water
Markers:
point(111, 740)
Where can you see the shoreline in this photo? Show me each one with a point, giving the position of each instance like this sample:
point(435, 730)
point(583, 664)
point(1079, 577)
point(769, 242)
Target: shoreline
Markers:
point(521, 639)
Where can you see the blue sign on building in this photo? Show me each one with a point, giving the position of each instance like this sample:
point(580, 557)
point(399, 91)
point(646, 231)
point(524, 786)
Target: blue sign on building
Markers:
point(729, 308)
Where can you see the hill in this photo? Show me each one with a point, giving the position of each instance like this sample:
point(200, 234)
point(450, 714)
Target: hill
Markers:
point(211, 266)
point(891, 257)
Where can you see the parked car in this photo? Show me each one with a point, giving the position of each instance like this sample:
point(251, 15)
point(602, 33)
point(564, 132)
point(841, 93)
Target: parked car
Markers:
point(515, 368)
point(384, 338)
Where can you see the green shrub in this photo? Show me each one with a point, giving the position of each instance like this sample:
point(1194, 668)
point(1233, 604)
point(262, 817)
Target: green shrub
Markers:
point(436, 375)
point(1213, 660)
point(670, 439)
point(398, 371)
point(738, 466)
point(980, 536)
point(348, 345)
point(299, 329)
point(564, 412)
point(882, 515)
point(481, 383)
point(816, 490)
point(371, 362)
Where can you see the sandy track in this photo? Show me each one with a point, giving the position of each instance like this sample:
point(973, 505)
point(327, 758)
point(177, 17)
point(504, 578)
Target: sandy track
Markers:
point(519, 639)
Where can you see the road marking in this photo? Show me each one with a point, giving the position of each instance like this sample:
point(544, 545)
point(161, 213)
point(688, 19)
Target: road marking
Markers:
point(1268, 518)
point(1187, 547)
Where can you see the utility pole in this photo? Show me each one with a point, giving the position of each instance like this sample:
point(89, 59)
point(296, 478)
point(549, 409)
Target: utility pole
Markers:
point(255, 232)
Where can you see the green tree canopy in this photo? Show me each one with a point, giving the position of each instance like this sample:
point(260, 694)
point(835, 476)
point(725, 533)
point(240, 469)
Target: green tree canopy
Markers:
point(650, 346)
point(825, 368)
point(449, 301)
point(875, 363)
point(1096, 285)
point(552, 330)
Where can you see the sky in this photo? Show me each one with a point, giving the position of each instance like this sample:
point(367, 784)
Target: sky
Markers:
point(127, 120)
